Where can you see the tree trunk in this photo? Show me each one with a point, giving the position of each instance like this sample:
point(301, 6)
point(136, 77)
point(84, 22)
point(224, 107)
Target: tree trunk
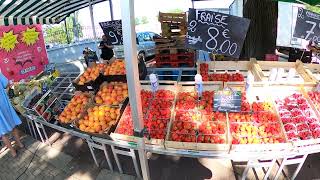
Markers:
point(262, 33)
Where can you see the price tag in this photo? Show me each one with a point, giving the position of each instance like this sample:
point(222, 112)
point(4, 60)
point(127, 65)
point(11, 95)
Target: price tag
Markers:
point(90, 87)
point(307, 25)
point(132, 144)
point(113, 30)
point(227, 101)
point(318, 87)
point(216, 32)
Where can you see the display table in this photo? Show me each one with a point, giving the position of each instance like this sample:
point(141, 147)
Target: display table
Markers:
point(235, 139)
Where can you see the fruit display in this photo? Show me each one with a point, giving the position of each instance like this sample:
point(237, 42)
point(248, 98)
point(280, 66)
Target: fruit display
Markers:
point(186, 100)
point(298, 118)
point(256, 133)
point(113, 93)
point(156, 114)
point(98, 119)
point(90, 74)
point(315, 97)
point(225, 77)
point(117, 67)
point(189, 126)
point(75, 108)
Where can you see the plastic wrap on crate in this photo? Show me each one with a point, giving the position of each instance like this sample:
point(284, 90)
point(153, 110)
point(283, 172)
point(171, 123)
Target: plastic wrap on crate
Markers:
point(297, 114)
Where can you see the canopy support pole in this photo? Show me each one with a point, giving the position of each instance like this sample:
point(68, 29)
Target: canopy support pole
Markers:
point(111, 10)
point(130, 53)
point(92, 20)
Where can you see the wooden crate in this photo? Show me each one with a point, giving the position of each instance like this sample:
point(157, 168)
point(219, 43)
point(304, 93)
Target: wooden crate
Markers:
point(189, 87)
point(230, 67)
point(258, 93)
point(165, 85)
point(173, 24)
point(262, 70)
point(172, 17)
point(313, 70)
point(283, 91)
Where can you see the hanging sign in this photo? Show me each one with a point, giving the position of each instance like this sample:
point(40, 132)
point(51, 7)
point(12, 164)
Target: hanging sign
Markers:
point(227, 101)
point(22, 51)
point(113, 31)
point(307, 25)
point(216, 32)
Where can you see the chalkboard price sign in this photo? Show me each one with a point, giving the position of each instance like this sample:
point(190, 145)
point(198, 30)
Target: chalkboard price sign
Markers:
point(216, 32)
point(307, 25)
point(227, 101)
point(113, 31)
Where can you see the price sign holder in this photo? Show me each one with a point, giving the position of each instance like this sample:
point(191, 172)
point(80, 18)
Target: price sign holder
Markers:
point(113, 31)
point(216, 32)
point(227, 100)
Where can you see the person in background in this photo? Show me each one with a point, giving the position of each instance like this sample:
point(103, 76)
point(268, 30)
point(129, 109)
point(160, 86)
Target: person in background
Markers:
point(106, 50)
point(90, 56)
point(8, 118)
point(142, 69)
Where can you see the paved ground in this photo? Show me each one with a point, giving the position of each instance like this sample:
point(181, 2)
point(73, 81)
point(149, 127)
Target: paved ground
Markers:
point(70, 158)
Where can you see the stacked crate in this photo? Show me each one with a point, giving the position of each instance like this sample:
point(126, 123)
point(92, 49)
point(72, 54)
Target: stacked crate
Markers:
point(170, 49)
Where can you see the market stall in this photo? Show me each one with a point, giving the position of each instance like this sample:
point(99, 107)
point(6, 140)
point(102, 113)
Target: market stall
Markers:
point(228, 113)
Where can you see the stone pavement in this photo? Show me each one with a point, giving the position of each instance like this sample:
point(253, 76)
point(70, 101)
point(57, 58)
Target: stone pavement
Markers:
point(49, 163)
point(69, 158)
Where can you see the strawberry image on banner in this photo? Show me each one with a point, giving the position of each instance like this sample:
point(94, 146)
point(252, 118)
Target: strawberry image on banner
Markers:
point(22, 51)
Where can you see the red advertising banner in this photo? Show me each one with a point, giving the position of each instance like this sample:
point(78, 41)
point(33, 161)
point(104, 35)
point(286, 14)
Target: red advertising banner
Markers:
point(22, 51)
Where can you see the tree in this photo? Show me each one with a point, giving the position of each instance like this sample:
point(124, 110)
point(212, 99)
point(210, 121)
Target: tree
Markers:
point(144, 20)
point(57, 34)
point(176, 10)
point(137, 21)
point(262, 33)
point(315, 9)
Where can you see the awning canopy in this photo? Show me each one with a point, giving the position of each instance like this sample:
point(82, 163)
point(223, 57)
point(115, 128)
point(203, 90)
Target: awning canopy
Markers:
point(310, 2)
point(14, 12)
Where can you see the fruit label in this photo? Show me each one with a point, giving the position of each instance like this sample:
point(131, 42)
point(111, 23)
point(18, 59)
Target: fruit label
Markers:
point(227, 101)
point(199, 89)
point(154, 86)
point(318, 87)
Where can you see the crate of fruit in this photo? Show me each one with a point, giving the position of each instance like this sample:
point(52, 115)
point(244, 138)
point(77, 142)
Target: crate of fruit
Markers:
point(111, 94)
point(313, 70)
point(298, 115)
point(77, 106)
point(226, 71)
point(157, 111)
point(257, 128)
point(99, 120)
point(194, 125)
point(90, 80)
point(281, 72)
point(116, 71)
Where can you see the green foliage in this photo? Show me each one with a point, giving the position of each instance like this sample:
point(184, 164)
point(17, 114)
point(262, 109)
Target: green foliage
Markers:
point(141, 20)
point(137, 21)
point(58, 34)
point(176, 10)
point(144, 20)
point(315, 9)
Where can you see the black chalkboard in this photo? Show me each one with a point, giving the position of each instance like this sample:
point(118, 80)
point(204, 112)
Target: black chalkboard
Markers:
point(307, 25)
point(216, 32)
point(113, 31)
point(227, 101)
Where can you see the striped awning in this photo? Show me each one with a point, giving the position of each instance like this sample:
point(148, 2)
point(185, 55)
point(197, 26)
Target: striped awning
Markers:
point(25, 12)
